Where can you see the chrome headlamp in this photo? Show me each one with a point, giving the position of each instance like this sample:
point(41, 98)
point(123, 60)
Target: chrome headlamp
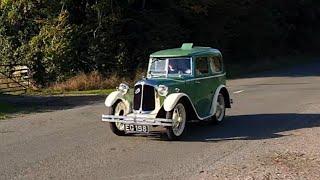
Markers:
point(123, 88)
point(162, 90)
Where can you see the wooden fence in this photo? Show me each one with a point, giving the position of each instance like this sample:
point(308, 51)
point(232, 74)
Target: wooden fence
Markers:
point(14, 78)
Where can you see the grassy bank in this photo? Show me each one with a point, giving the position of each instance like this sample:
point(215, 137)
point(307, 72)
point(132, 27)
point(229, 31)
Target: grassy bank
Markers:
point(52, 92)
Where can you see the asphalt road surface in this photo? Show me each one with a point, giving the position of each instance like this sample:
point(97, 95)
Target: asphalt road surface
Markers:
point(271, 132)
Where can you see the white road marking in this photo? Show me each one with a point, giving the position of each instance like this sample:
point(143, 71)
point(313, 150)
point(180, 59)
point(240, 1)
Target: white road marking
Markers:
point(237, 92)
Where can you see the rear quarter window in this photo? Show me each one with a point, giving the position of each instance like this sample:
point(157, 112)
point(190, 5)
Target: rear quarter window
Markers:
point(215, 64)
point(202, 66)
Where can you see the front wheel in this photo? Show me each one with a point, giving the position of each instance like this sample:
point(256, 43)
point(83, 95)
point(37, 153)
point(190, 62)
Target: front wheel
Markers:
point(179, 119)
point(219, 116)
point(119, 110)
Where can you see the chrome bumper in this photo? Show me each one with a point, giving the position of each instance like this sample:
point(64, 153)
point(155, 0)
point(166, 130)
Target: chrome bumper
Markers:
point(137, 120)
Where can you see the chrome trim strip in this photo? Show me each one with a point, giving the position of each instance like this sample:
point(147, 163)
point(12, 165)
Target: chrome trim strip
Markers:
point(166, 68)
point(208, 77)
point(191, 66)
point(141, 100)
point(137, 120)
point(141, 112)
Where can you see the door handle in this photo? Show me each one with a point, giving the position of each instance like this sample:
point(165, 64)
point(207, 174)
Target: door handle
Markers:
point(197, 82)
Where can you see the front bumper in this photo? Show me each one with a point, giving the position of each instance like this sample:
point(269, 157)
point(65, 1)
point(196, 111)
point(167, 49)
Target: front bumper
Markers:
point(137, 120)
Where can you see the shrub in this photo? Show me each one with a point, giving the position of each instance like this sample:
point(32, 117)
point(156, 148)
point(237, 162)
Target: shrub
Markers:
point(91, 81)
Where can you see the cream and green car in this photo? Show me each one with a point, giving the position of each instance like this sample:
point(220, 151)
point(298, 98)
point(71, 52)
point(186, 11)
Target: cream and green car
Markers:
point(182, 84)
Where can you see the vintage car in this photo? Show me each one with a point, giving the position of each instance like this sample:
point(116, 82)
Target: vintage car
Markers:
point(182, 84)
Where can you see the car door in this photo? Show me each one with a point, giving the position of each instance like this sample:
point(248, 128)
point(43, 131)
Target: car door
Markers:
point(202, 87)
point(216, 71)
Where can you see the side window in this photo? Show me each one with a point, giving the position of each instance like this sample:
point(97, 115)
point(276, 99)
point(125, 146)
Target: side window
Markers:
point(202, 66)
point(215, 64)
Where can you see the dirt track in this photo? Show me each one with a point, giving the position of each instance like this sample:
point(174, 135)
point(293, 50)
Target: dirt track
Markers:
point(272, 132)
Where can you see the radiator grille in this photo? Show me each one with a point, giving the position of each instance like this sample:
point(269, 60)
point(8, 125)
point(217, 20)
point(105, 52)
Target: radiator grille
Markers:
point(148, 99)
point(148, 103)
point(137, 97)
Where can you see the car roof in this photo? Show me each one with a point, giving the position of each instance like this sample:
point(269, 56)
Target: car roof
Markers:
point(187, 49)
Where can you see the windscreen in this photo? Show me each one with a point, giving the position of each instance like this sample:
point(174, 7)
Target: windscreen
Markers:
point(170, 66)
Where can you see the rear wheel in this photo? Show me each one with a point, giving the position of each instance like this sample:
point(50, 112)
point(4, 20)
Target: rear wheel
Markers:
point(219, 116)
point(179, 118)
point(118, 110)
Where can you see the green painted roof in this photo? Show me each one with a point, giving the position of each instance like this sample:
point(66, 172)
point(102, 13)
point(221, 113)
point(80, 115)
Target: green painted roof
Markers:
point(187, 49)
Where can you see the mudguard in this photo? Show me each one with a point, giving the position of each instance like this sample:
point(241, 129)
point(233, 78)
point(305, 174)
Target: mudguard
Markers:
point(215, 99)
point(112, 98)
point(171, 101)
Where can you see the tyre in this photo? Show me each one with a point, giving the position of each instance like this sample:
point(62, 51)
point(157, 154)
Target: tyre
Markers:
point(118, 109)
point(179, 117)
point(219, 116)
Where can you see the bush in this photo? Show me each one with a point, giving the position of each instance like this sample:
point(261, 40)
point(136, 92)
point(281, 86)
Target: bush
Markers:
point(89, 81)
point(60, 39)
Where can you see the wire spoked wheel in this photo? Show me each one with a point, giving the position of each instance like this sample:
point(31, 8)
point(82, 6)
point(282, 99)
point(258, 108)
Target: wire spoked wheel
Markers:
point(220, 109)
point(179, 118)
point(118, 110)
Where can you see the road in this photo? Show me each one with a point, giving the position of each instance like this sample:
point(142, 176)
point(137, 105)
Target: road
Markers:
point(271, 132)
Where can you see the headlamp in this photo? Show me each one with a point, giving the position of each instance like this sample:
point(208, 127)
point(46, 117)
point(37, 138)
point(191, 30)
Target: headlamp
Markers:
point(123, 88)
point(162, 90)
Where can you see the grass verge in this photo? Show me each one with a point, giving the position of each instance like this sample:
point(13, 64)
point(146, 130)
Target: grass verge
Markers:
point(49, 92)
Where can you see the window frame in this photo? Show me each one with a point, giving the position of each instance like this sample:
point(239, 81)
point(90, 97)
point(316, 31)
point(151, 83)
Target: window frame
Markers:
point(196, 65)
point(214, 58)
point(166, 66)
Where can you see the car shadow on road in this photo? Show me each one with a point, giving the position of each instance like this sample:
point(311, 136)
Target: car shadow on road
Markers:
point(251, 127)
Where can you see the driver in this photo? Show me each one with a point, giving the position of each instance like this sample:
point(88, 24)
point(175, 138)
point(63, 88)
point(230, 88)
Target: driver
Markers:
point(176, 66)
point(172, 67)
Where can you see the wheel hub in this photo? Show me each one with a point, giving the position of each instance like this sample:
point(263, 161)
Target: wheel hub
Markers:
point(179, 118)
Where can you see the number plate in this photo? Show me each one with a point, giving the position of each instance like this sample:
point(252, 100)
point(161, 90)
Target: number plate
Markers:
point(130, 128)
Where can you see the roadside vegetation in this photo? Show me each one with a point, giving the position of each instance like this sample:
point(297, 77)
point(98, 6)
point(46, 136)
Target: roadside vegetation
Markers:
point(84, 84)
point(52, 92)
point(66, 42)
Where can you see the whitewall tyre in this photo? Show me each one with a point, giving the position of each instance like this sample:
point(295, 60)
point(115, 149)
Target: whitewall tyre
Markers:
point(118, 109)
point(220, 114)
point(179, 118)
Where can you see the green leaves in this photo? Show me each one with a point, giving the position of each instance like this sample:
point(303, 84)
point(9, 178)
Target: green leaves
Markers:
point(52, 49)
point(58, 39)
